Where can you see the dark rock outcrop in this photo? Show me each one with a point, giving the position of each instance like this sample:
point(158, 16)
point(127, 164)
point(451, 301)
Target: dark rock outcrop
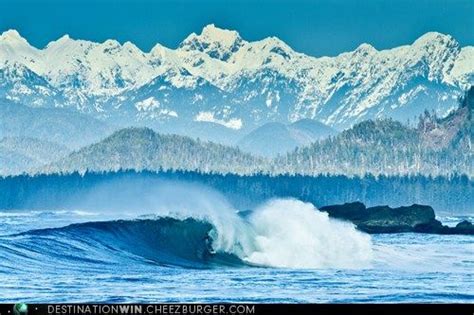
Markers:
point(383, 219)
point(466, 227)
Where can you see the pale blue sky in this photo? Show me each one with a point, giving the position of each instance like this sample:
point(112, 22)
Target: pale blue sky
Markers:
point(325, 27)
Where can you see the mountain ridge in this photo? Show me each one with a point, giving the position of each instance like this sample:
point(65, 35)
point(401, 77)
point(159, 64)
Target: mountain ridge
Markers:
point(227, 80)
point(20, 155)
point(376, 147)
point(144, 149)
point(274, 138)
point(436, 146)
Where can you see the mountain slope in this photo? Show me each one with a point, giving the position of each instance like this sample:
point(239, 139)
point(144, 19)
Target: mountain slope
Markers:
point(144, 149)
point(311, 130)
point(62, 126)
point(455, 131)
point(18, 155)
point(217, 76)
point(272, 139)
point(436, 147)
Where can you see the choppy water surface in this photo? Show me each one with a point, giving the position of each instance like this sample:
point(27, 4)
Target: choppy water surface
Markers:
point(270, 255)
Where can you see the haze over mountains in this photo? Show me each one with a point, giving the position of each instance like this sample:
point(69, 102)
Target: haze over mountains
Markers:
point(18, 155)
point(437, 146)
point(143, 149)
point(261, 96)
point(272, 139)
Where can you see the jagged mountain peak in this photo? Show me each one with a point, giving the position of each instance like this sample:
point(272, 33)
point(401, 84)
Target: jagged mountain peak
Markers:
point(366, 48)
point(216, 42)
point(436, 46)
point(255, 82)
point(67, 43)
point(12, 36)
point(214, 33)
point(13, 48)
point(271, 43)
point(158, 50)
point(131, 46)
point(63, 39)
point(112, 46)
point(111, 43)
point(435, 38)
point(440, 51)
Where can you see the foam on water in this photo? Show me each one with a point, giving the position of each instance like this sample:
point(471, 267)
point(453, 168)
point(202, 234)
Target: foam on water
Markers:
point(280, 233)
point(294, 234)
point(168, 242)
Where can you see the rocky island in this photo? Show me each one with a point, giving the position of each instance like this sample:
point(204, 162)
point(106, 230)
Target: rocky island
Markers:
point(384, 219)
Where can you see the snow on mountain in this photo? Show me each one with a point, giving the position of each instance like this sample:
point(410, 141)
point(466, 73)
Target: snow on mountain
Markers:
point(20, 84)
point(462, 73)
point(215, 42)
point(218, 77)
point(94, 69)
point(15, 49)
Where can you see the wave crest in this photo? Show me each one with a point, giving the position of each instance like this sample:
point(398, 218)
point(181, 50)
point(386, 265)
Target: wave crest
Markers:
point(280, 233)
point(290, 233)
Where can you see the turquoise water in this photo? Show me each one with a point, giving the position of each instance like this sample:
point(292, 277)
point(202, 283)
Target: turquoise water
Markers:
point(162, 259)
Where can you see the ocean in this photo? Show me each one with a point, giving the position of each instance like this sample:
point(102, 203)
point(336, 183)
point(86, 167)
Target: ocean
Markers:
point(282, 251)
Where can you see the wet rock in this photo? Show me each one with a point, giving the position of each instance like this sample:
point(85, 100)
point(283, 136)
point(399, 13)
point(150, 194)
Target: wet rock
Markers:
point(384, 219)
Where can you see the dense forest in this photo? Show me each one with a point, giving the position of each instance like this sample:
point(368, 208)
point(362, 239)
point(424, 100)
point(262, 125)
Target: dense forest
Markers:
point(435, 147)
point(144, 149)
point(444, 194)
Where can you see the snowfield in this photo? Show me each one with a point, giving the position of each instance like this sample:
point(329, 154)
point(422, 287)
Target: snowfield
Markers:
point(217, 76)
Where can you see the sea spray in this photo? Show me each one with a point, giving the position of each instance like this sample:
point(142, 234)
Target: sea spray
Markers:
point(280, 233)
point(293, 234)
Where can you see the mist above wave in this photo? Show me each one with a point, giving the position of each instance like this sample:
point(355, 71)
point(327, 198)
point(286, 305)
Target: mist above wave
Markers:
point(193, 223)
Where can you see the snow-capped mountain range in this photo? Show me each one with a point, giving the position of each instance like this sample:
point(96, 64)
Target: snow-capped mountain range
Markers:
point(218, 77)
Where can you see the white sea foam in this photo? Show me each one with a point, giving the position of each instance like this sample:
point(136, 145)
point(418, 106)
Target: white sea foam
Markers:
point(294, 234)
point(280, 233)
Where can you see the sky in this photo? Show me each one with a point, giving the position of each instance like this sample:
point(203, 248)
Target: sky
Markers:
point(317, 27)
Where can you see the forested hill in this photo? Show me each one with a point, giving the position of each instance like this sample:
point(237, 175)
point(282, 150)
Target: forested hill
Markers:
point(144, 149)
point(435, 147)
point(455, 131)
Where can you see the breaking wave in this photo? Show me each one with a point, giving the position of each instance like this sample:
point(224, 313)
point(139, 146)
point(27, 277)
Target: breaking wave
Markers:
point(280, 233)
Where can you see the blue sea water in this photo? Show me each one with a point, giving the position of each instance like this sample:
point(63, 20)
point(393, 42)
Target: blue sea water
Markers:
point(80, 256)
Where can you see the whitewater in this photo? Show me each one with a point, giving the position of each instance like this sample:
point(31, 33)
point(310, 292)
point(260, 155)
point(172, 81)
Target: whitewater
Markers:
point(184, 242)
